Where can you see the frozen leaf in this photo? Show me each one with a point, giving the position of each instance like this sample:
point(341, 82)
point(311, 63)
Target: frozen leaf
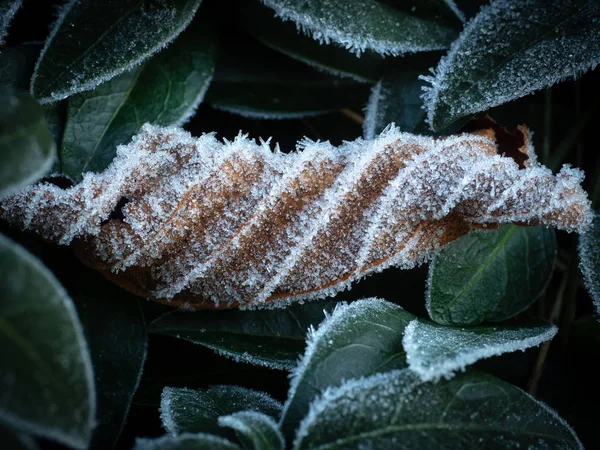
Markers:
point(187, 441)
point(258, 430)
point(164, 91)
point(490, 275)
point(185, 410)
point(589, 260)
point(360, 26)
point(434, 351)
point(197, 222)
point(116, 334)
point(271, 338)
point(397, 410)
point(396, 98)
point(13, 440)
point(26, 145)
point(510, 49)
point(92, 42)
point(8, 9)
point(356, 340)
point(283, 37)
point(16, 65)
point(46, 374)
point(257, 82)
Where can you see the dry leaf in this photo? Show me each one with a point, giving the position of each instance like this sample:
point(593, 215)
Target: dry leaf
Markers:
point(207, 224)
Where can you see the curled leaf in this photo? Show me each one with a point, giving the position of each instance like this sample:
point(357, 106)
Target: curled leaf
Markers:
point(197, 222)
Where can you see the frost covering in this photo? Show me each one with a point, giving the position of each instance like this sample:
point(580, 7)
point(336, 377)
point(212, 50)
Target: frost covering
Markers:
point(212, 224)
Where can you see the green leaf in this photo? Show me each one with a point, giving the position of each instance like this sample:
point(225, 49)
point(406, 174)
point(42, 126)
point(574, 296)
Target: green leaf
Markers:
point(8, 9)
point(92, 42)
point(511, 49)
point(283, 37)
point(397, 410)
point(164, 91)
point(359, 25)
point(200, 441)
point(356, 340)
point(116, 334)
point(185, 410)
point(259, 431)
point(490, 275)
point(16, 65)
point(397, 97)
point(12, 440)
point(273, 338)
point(26, 144)
point(434, 351)
point(46, 372)
point(589, 260)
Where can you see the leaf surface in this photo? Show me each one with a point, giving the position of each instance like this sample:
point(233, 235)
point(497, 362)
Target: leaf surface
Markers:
point(257, 431)
point(187, 441)
point(490, 275)
point(589, 259)
point(8, 9)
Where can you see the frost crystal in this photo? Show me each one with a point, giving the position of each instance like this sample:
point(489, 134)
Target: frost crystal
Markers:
point(589, 260)
point(434, 351)
point(197, 222)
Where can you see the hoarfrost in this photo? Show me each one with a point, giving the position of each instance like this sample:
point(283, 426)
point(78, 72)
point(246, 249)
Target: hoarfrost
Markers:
point(589, 260)
point(260, 429)
point(208, 223)
point(434, 351)
point(197, 441)
point(510, 49)
point(358, 26)
point(7, 12)
point(185, 410)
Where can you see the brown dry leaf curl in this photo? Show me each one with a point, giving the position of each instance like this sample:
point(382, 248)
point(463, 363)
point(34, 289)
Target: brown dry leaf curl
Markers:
point(206, 224)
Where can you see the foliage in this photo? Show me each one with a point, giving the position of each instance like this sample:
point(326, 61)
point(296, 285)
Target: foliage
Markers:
point(402, 360)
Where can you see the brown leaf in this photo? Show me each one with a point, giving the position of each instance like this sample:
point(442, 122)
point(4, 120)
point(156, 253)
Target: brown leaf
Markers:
point(206, 224)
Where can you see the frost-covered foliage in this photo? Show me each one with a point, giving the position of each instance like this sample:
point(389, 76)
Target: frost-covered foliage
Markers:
point(8, 9)
point(187, 441)
point(589, 260)
point(236, 224)
point(501, 55)
point(359, 25)
point(257, 428)
point(434, 351)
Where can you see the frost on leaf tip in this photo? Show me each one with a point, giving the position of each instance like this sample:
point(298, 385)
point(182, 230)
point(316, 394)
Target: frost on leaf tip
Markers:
point(208, 224)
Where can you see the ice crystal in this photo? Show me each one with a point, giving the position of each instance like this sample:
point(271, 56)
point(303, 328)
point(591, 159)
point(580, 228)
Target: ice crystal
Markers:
point(212, 224)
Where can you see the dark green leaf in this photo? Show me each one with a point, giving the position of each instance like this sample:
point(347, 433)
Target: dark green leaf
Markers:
point(8, 9)
point(26, 145)
point(12, 440)
point(397, 410)
point(16, 65)
point(94, 41)
point(589, 259)
point(490, 275)
point(434, 351)
point(258, 431)
point(272, 338)
point(255, 81)
point(198, 410)
point(46, 375)
point(510, 49)
point(164, 91)
point(397, 97)
point(284, 37)
point(356, 340)
point(200, 441)
point(116, 334)
point(360, 26)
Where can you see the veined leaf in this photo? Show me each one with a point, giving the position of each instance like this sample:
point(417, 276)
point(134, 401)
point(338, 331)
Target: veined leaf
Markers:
point(26, 145)
point(92, 42)
point(284, 37)
point(435, 351)
point(510, 49)
point(258, 431)
point(359, 26)
point(8, 9)
point(589, 259)
point(185, 410)
point(164, 91)
point(272, 338)
point(356, 340)
point(490, 275)
point(397, 410)
point(46, 371)
point(188, 441)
